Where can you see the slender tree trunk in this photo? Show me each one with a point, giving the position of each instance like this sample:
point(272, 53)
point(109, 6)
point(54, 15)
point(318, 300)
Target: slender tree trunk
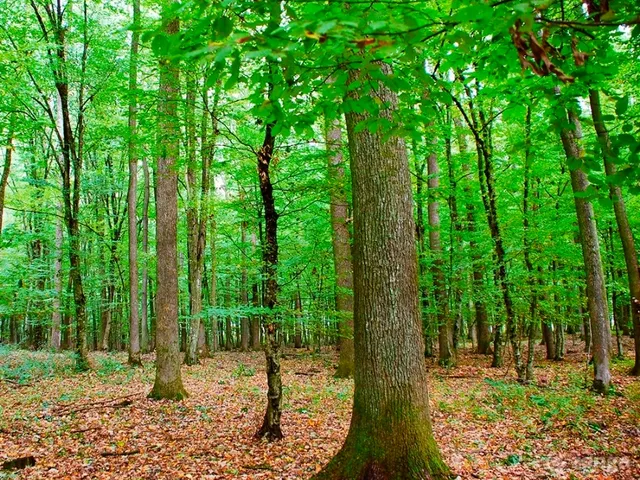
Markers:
point(270, 428)
point(341, 246)
point(213, 291)
point(245, 332)
point(527, 212)
point(481, 316)
point(446, 353)
point(144, 297)
point(56, 318)
point(228, 333)
point(8, 156)
point(168, 381)
point(132, 196)
point(622, 220)
point(596, 293)
point(390, 436)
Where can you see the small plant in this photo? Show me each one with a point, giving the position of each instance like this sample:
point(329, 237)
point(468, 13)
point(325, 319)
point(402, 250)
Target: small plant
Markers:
point(243, 371)
point(107, 366)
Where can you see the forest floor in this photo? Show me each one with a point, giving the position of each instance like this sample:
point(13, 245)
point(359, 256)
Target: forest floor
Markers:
point(101, 425)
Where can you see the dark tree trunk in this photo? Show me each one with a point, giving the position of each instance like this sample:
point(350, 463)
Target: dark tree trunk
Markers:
point(390, 436)
point(270, 428)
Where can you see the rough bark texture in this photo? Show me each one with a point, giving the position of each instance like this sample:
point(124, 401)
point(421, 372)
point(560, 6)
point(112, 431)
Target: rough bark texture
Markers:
point(341, 247)
point(446, 352)
point(270, 428)
point(390, 436)
point(134, 319)
point(168, 381)
point(622, 221)
point(144, 296)
point(571, 134)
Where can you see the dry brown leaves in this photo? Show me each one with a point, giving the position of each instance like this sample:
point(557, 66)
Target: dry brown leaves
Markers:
point(103, 426)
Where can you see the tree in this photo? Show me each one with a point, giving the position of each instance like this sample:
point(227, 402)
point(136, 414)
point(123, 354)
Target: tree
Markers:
point(168, 381)
point(571, 134)
point(132, 199)
point(390, 433)
point(340, 236)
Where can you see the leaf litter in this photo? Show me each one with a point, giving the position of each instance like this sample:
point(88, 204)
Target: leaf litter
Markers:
point(100, 424)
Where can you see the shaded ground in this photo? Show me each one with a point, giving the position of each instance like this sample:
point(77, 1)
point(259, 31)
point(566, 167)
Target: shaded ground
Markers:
point(100, 424)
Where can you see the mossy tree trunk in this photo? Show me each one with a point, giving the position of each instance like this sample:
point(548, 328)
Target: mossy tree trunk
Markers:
point(168, 381)
point(571, 134)
point(390, 436)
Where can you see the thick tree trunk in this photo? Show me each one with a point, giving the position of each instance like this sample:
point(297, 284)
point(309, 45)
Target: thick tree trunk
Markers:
point(168, 381)
point(390, 436)
point(341, 247)
point(132, 195)
point(446, 353)
point(596, 293)
point(622, 220)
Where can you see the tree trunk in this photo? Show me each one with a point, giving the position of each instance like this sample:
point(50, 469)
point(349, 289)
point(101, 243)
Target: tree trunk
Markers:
point(297, 339)
point(56, 319)
point(341, 247)
point(144, 297)
point(446, 353)
point(245, 332)
point(596, 293)
point(8, 156)
point(390, 434)
point(168, 381)
point(622, 220)
point(132, 196)
point(481, 316)
point(270, 428)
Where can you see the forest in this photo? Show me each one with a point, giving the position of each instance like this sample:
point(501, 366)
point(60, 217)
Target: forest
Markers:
point(315, 239)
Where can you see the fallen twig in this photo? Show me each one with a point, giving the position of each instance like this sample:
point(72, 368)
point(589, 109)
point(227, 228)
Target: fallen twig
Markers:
point(16, 383)
point(108, 403)
point(119, 454)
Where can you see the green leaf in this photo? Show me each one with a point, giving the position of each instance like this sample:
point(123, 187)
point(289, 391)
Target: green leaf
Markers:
point(622, 105)
point(160, 45)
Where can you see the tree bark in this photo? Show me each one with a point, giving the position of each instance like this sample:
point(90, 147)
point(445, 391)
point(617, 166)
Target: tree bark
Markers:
point(446, 353)
point(168, 381)
point(270, 428)
point(56, 318)
point(340, 237)
point(132, 195)
point(390, 434)
point(622, 221)
point(8, 156)
point(571, 134)
point(144, 296)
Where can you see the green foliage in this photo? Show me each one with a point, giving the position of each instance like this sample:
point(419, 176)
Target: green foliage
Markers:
point(243, 371)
